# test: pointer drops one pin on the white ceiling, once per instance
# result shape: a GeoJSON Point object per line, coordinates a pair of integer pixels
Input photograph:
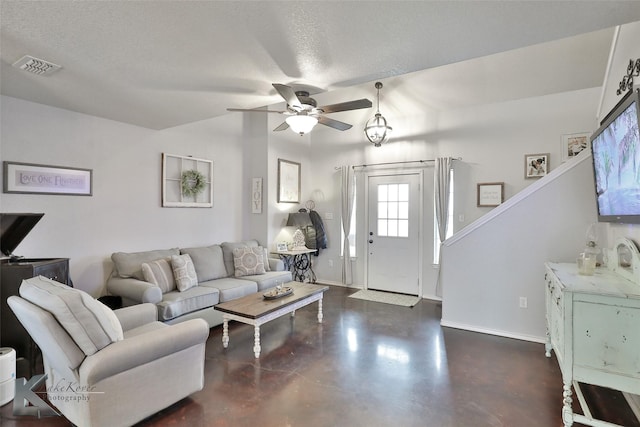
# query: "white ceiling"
{"type": "Point", "coordinates": [160, 64]}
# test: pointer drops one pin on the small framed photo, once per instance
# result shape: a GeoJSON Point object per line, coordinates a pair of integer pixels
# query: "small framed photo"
{"type": "Point", "coordinates": [573, 144]}
{"type": "Point", "coordinates": [490, 194]}
{"type": "Point", "coordinates": [281, 247]}
{"type": "Point", "coordinates": [536, 165]}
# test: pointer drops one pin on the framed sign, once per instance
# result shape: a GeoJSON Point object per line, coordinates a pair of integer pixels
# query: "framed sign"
{"type": "Point", "coordinates": [490, 194]}
{"type": "Point", "coordinates": [288, 181]}
{"type": "Point", "coordinates": [29, 178]}
{"type": "Point", "coordinates": [536, 165]}
{"type": "Point", "coordinates": [256, 195]}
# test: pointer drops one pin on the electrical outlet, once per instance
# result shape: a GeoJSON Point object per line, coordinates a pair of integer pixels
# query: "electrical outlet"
{"type": "Point", "coordinates": [330, 263]}
{"type": "Point", "coordinates": [328, 215]}
{"type": "Point", "coordinates": [523, 302]}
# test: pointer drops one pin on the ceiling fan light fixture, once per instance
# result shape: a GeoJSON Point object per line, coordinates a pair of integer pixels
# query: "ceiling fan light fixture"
{"type": "Point", "coordinates": [301, 124]}
{"type": "Point", "coordinates": [377, 129]}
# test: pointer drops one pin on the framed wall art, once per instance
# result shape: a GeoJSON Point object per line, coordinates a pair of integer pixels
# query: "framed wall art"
{"type": "Point", "coordinates": [573, 144]}
{"type": "Point", "coordinates": [536, 165]}
{"type": "Point", "coordinates": [30, 178]}
{"type": "Point", "coordinates": [187, 182]}
{"type": "Point", "coordinates": [288, 181]}
{"type": "Point", "coordinates": [490, 194]}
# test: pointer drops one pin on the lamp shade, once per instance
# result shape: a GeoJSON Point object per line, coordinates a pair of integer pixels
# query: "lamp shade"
{"type": "Point", "coordinates": [301, 123]}
{"type": "Point", "coordinates": [299, 219]}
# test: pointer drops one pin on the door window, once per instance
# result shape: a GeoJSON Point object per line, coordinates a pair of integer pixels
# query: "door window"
{"type": "Point", "coordinates": [393, 210]}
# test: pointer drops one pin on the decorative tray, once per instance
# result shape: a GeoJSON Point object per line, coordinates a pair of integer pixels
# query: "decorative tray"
{"type": "Point", "coordinates": [278, 293]}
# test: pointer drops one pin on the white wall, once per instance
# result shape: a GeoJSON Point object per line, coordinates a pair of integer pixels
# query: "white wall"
{"type": "Point", "coordinates": [490, 265]}
{"type": "Point", "coordinates": [491, 139]}
{"type": "Point", "coordinates": [124, 213]}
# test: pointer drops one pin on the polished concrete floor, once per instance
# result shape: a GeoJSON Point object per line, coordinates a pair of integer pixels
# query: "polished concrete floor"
{"type": "Point", "coordinates": [371, 364]}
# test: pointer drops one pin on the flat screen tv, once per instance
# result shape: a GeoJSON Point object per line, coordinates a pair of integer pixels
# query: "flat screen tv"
{"type": "Point", "coordinates": [615, 147]}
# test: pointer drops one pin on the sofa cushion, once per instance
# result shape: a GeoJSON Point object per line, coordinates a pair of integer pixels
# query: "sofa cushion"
{"type": "Point", "coordinates": [129, 264]}
{"type": "Point", "coordinates": [248, 261]}
{"type": "Point", "coordinates": [160, 273]}
{"type": "Point", "coordinates": [208, 262]}
{"type": "Point", "coordinates": [91, 324]}
{"type": "Point", "coordinates": [231, 288]}
{"type": "Point", "coordinates": [177, 303]}
{"type": "Point", "coordinates": [270, 279]}
{"type": "Point", "coordinates": [227, 253]}
{"type": "Point", "coordinates": [184, 272]}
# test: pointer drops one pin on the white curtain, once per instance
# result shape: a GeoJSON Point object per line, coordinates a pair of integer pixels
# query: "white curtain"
{"type": "Point", "coordinates": [442, 180]}
{"type": "Point", "coordinates": [348, 189]}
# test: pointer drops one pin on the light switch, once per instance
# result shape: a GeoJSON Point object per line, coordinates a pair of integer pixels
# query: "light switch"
{"type": "Point", "coordinates": [328, 215]}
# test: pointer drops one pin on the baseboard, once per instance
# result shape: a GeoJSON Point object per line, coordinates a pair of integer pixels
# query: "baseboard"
{"type": "Point", "coordinates": [505, 334]}
{"type": "Point", "coordinates": [332, 283]}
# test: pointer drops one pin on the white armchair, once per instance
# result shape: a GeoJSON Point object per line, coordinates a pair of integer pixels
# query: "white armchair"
{"type": "Point", "coordinates": [123, 364]}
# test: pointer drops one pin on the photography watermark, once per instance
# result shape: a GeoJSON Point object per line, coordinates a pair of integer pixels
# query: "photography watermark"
{"type": "Point", "coordinates": [27, 401]}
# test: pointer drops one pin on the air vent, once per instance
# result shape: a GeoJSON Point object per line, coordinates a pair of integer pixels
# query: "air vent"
{"type": "Point", "coordinates": [36, 66]}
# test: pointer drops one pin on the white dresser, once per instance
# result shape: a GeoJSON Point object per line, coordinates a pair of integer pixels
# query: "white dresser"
{"type": "Point", "coordinates": [593, 325]}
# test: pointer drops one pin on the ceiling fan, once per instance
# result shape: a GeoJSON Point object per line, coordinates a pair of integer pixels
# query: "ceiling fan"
{"type": "Point", "coordinates": [303, 113]}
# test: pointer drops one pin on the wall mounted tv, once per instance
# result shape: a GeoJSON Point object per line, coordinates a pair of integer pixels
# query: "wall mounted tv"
{"type": "Point", "coordinates": [615, 147]}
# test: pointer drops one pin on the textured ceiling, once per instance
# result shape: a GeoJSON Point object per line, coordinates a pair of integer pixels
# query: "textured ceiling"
{"type": "Point", "coordinates": [160, 64]}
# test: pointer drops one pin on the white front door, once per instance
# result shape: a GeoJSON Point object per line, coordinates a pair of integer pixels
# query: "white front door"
{"type": "Point", "coordinates": [393, 237]}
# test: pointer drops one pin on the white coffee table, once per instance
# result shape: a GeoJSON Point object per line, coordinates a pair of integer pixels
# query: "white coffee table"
{"type": "Point", "coordinates": [255, 310]}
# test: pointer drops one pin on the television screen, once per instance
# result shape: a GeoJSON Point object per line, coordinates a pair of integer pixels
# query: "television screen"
{"type": "Point", "coordinates": [616, 163]}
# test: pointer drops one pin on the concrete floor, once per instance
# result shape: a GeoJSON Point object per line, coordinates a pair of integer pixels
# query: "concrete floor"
{"type": "Point", "coordinates": [371, 364]}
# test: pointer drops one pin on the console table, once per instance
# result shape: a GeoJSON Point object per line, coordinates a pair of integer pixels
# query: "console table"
{"type": "Point", "coordinates": [593, 326]}
{"type": "Point", "coordinates": [299, 262]}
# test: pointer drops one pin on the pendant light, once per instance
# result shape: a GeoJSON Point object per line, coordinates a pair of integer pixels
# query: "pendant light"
{"type": "Point", "coordinates": [377, 129]}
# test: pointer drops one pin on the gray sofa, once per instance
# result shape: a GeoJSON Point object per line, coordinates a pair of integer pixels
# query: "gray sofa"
{"type": "Point", "coordinates": [218, 280]}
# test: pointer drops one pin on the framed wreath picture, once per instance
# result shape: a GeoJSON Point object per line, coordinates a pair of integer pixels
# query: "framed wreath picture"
{"type": "Point", "coordinates": [187, 182]}
{"type": "Point", "coordinates": [536, 165]}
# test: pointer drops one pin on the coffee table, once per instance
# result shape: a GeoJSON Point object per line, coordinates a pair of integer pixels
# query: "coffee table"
{"type": "Point", "coordinates": [255, 310]}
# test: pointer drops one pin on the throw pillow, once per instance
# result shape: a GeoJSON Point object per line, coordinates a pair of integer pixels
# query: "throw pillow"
{"type": "Point", "coordinates": [184, 272]}
{"type": "Point", "coordinates": [91, 324]}
{"type": "Point", "coordinates": [160, 273]}
{"type": "Point", "coordinates": [248, 261]}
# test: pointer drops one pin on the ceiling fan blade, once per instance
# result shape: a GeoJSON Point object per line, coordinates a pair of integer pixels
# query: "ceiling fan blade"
{"type": "Point", "coordinates": [289, 95]}
{"type": "Point", "coordinates": [247, 110]}
{"type": "Point", "coordinates": [336, 124]}
{"type": "Point", "coordinates": [346, 106]}
{"type": "Point", "coordinates": [283, 126]}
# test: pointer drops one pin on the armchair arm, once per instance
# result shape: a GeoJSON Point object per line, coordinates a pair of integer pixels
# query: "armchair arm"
{"type": "Point", "coordinates": [276, 264]}
{"type": "Point", "coordinates": [136, 315]}
{"type": "Point", "coordinates": [130, 353]}
{"type": "Point", "coordinates": [134, 289]}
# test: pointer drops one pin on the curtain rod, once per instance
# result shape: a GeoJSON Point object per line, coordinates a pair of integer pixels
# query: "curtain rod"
{"type": "Point", "coordinates": [397, 163]}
